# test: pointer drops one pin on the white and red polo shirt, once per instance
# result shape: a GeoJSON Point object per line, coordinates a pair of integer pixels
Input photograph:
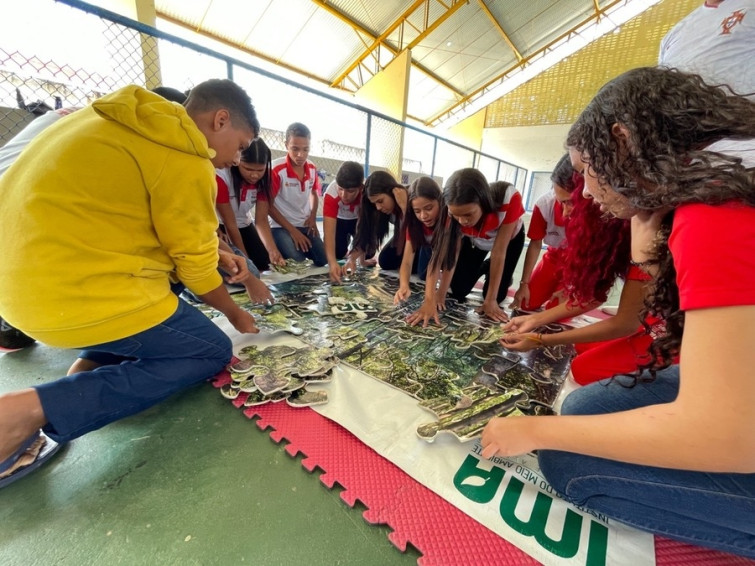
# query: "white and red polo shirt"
{"type": "Point", "coordinates": [334, 207]}
{"type": "Point", "coordinates": [427, 234]}
{"type": "Point", "coordinates": [510, 212]}
{"type": "Point", "coordinates": [242, 208]}
{"type": "Point", "coordinates": [548, 223]}
{"type": "Point", "coordinates": [291, 194]}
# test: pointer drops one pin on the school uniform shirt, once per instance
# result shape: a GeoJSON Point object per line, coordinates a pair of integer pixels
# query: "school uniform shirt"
{"type": "Point", "coordinates": [510, 212]}
{"type": "Point", "coordinates": [106, 223]}
{"type": "Point", "coordinates": [715, 42]}
{"type": "Point", "coordinates": [427, 235]}
{"type": "Point", "coordinates": [548, 223]}
{"type": "Point", "coordinates": [713, 248]}
{"type": "Point", "coordinates": [334, 207]}
{"type": "Point", "coordinates": [290, 194]}
{"type": "Point", "coordinates": [244, 205]}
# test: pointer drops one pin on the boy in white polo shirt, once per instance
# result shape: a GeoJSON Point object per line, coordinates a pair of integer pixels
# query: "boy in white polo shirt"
{"type": "Point", "coordinates": [293, 209]}
{"type": "Point", "coordinates": [340, 211]}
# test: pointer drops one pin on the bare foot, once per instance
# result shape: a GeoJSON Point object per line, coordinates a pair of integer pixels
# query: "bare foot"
{"type": "Point", "coordinates": [20, 415]}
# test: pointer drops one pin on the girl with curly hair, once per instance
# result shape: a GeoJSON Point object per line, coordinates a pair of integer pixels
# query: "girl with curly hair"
{"type": "Point", "coordinates": [675, 453]}
{"type": "Point", "coordinates": [383, 204]}
{"type": "Point", "coordinates": [420, 221]}
{"type": "Point", "coordinates": [479, 219]}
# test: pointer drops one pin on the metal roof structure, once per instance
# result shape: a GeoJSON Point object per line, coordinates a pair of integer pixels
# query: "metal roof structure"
{"type": "Point", "coordinates": [459, 48]}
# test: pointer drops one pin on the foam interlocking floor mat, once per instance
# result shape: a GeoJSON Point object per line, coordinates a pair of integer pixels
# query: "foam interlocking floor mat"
{"type": "Point", "coordinates": [441, 532]}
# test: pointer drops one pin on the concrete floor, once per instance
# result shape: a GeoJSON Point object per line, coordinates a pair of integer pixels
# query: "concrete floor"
{"type": "Point", "coordinates": [191, 481]}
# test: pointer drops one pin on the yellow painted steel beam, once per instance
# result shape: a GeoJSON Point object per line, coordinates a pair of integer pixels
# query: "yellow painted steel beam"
{"type": "Point", "coordinates": [378, 40]}
{"type": "Point", "coordinates": [497, 26]}
{"type": "Point", "coordinates": [362, 31]}
{"type": "Point", "coordinates": [454, 5]}
{"type": "Point", "coordinates": [522, 63]}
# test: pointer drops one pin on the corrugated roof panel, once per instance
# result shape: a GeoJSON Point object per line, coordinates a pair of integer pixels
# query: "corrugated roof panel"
{"type": "Point", "coordinates": [531, 25]}
{"type": "Point", "coordinates": [374, 15]}
{"type": "Point", "coordinates": [466, 19]}
{"type": "Point", "coordinates": [426, 15]}
{"type": "Point", "coordinates": [235, 21]}
{"type": "Point", "coordinates": [301, 34]}
{"type": "Point", "coordinates": [472, 72]}
{"type": "Point", "coordinates": [476, 51]}
{"type": "Point", "coordinates": [279, 25]}
{"type": "Point", "coordinates": [188, 11]}
{"type": "Point", "coordinates": [428, 97]}
{"type": "Point", "coordinates": [324, 46]}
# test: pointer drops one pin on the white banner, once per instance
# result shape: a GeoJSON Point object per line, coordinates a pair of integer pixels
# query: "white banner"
{"type": "Point", "coordinates": [509, 496]}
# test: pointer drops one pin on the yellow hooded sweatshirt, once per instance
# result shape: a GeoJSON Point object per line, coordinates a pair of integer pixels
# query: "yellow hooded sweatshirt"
{"type": "Point", "coordinates": [98, 212]}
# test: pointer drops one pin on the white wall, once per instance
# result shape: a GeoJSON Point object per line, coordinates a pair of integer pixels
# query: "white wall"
{"type": "Point", "coordinates": [537, 148]}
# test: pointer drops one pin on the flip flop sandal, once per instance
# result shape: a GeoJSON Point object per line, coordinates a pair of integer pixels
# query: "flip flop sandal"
{"type": "Point", "coordinates": [46, 450]}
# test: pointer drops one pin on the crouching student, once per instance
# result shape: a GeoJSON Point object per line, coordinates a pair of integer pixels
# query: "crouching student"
{"type": "Point", "coordinates": [420, 222]}
{"type": "Point", "coordinates": [292, 206]}
{"type": "Point", "coordinates": [541, 280]}
{"type": "Point", "coordinates": [481, 220]}
{"type": "Point", "coordinates": [340, 211]}
{"type": "Point", "coordinates": [383, 206]}
{"type": "Point", "coordinates": [595, 255]}
{"type": "Point", "coordinates": [238, 187]}
{"type": "Point", "coordinates": [106, 285]}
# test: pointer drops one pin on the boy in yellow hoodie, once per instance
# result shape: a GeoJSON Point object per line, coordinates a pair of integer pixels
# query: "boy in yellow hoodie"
{"type": "Point", "coordinates": [98, 214]}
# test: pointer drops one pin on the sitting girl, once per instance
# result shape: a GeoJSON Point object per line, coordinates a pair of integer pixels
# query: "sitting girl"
{"type": "Point", "coordinates": [670, 452]}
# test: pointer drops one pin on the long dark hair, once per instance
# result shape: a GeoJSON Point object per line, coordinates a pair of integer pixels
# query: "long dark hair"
{"type": "Point", "coordinates": [566, 177]}
{"type": "Point", "coordinates": [373, 225]}
{"type": "Point", "coordinates": [670, 117]}
{"type": "Point", "coordinates": [465, 186]}
{"type": "Point", "coordinates": [257, 153]}
{"type": "Point", "coordinates": [424, 187]}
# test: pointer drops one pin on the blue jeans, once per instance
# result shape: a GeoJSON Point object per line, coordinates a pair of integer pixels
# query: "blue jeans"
{"type": "Point", "coordinates": [285, 244]}
{"type": "Point", "coordinates": [184, 350]}
{"type": "Point", "coordinates": [715, 510]}
{"type": "Point", "coordinates": [424, 256]}
{"type": "Point", "coordinates": [249, 263]}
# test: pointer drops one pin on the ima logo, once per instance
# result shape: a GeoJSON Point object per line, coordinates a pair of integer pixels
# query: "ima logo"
{"type": "Point", "coordinates": [728, 24]}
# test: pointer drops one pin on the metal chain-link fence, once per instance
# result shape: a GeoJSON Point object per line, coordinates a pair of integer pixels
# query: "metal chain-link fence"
{"type": "Point", "coordinates": [34, 80]}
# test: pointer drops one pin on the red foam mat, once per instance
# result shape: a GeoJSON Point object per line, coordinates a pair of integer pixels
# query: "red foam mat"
{"type": "Point", "coordinates": [441, 532]}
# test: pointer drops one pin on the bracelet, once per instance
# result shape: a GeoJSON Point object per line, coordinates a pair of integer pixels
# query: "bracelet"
{"type": "Point", "coordinates": [538, 339]}
{"type": "Point", "coordinates": [524, 283]}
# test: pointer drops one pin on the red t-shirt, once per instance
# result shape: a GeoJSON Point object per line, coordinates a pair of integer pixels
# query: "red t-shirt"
{"type": "Point", "coordinates": [714, 254]}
